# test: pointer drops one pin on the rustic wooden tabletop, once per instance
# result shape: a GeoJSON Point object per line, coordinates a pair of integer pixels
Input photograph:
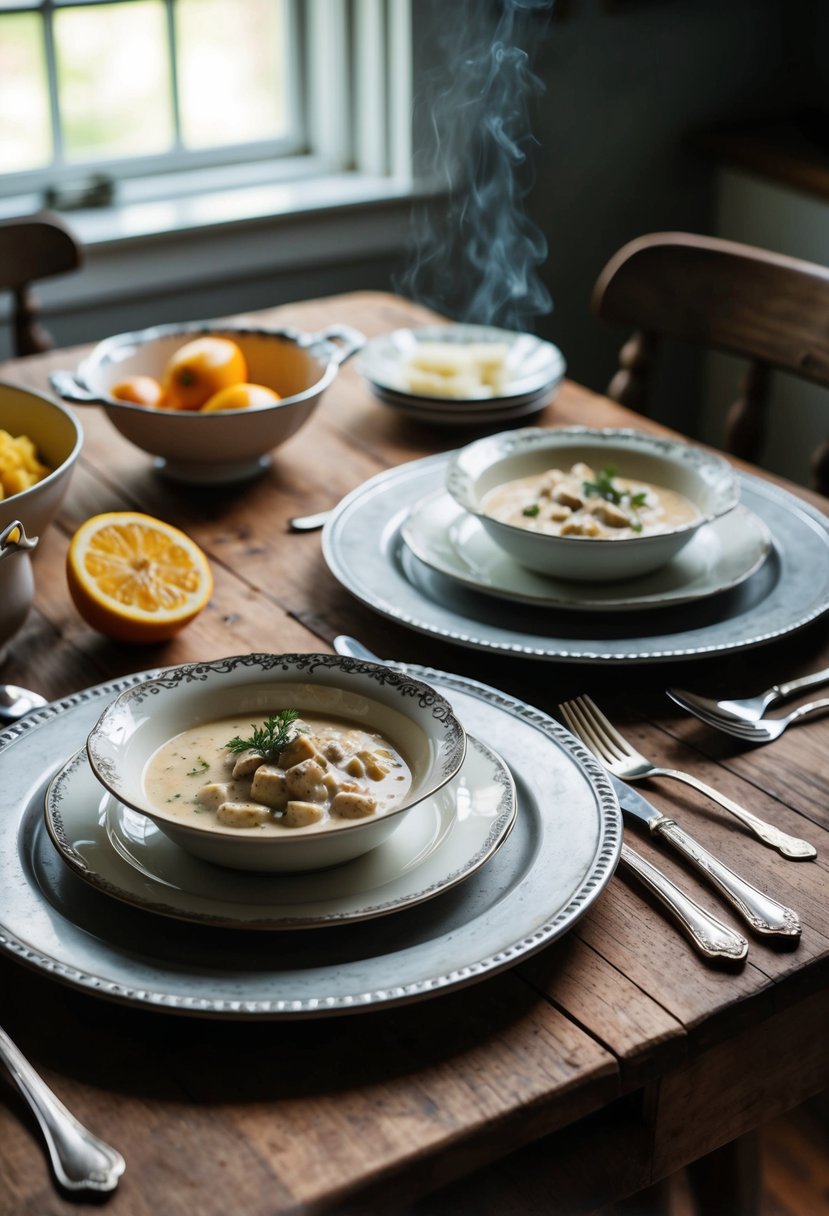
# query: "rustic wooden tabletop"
{"type": "Point", "coordinates": [588, 1072]}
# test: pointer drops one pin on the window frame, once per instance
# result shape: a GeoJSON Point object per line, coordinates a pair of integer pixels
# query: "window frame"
{"type": "Point", "coordinates": [349, 93]}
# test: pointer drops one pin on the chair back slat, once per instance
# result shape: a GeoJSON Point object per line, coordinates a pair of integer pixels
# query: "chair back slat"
{"type": "Point", "coordinates": [31, 248]}
{"type": "Point", "coordinates": [770, 309]}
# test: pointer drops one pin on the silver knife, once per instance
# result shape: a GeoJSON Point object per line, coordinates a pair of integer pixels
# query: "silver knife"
{"type": "Point", "coordinates": [763, 914]}
{"type": "Point", "coordinates": [711, 937]}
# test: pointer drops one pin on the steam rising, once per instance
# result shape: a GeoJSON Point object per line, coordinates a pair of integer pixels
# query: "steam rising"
{"type": "Point", "coordinates": [476, 256]}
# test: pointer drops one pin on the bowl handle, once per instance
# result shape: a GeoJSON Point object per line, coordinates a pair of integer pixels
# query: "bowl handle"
{"type": "Point", "coordinates": [67, 386]}
{"type": "Point", "coordinates": [352, 341]}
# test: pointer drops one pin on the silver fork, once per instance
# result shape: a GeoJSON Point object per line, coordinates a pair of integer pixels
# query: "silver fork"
{"type": "Point", "coordinates": [766, 730]}
{"type": "Point", "coordinates": [616, 753]}
{"type": "Point", "coordinates": [745, 709]}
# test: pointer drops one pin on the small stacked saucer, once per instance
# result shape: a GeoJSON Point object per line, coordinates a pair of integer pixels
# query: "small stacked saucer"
{"type": "Point", "coordinates": [462, 375]}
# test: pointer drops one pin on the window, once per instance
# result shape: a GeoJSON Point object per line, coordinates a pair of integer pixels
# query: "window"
{"type": "Point", "coordinates": [101, 92]}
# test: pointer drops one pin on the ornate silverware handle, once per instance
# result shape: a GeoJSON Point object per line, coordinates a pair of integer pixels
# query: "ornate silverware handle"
{"type": "Point", "coordinates": [789, 846]}
{"type": "Point", "coordinates": [80, 1160]}
{"type": "Point", "coordinates": [794, 686]}
{"type": "Point", "coordinates": [711, 937]}
{"type": "Point", "coordinates": [764, 914]}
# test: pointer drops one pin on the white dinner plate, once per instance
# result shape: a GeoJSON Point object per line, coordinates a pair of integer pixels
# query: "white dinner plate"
{"type": "Point", "coordinates": [124, 855]}
{"type": "Point", "coordinates": [442, 412]}
{"type": "Point", "coordinates": [556, 861]}
{"type": "Point", "coordinates": [535, 371]}
{"type": "Point", "coordinates": [720, 556]}
{"type": "Point", "coordinates": [364, 549]}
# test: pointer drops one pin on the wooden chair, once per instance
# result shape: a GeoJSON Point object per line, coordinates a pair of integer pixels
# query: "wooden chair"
{"type": "Point", "coordinates": [770, 309]}
{"type": "Point", "coordinates": [33, 247]}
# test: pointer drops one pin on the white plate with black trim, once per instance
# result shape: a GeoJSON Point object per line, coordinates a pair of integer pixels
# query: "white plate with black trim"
{"type": "Point", "coordinates": [124, 855]}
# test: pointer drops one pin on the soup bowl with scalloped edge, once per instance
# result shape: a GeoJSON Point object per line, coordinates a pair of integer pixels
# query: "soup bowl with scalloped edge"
{"type": "Point", "coordinates": [707, 480]}
{"type": "Point", "coordinates": [418, 722]}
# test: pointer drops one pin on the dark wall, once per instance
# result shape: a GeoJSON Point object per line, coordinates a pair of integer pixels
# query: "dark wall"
{"type": "Point", "coordinates": [624, 81]}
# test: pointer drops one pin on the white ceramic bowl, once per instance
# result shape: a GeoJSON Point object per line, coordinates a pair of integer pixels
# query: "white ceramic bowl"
{"type": "Point", "coordinates": [226, 445]}
{"type": "Point", "coordinates": [415, 718]}
{"type": "Point", "coordinates": [707, 480]}
{"type": "Point", "coordinates": [58, 437]}
{"type": "Point", "coordinates": [533, 367]}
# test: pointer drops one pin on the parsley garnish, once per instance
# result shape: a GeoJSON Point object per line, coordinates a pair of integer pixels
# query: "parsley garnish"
{"type": "Point", "coordinates": [531, 510]}
{"type": "Point", "coordinates": [603, 487]}
{"type": "Point", "coordinates": [268, 740]}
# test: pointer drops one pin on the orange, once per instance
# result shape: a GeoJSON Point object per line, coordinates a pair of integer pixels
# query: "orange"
{"type": "Point", "coordinates": [135, 578]}
{"type": "Point", "coordinates": [239, 397]}
{"type": "Point", "coordinates": [200, 369]}
{"type": "Point", "coordinates": [140, 390]}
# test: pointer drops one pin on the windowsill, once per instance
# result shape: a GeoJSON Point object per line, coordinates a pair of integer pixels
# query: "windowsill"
{"type": "Point", "coordinates": [264, 203]}
{"type": "Point", "coordinates": [177, 211]}
{"type": "Point", "coordinates": [223, 235]}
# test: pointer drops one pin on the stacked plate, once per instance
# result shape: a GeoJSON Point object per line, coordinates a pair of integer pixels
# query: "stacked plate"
{"type": "Point", "coordinates": [403, 546]}
{"type": "Point", "coordinates": [462, 375]}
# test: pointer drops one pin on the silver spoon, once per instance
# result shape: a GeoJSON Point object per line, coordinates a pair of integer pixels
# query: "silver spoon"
{"type": "Point", "coordinates": [80, 1160]}
{"type": "Point", "coordinates": [16, 701]}
{"type": "Point", "coordinates": [308, 523]}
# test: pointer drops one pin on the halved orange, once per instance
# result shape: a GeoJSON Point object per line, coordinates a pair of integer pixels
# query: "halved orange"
{"type": "Point", "coordinates": [135, 578]}
{"type": "Point", "coordinates": [201, 368]}
{"type": "Point", "coordinates": [240, 397]}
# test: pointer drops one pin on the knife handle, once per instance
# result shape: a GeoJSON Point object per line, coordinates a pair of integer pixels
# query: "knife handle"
{"type": "Point", "coordinates": [711, 937]}
{"type": "Point", "coordinates": [764, 914]}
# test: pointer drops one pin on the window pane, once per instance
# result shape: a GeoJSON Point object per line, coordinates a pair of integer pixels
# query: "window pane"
{"type": "Point", "coordinates": [25, 125]}
{"type": "Point", "coordinates": [114, 80]}
{"type": "Point", "coordinates": [232, 71]}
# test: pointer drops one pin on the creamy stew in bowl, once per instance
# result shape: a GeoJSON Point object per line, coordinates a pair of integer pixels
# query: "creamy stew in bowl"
{"type": "Point", "coordinates": [583, 503]}
{"type": "Point", "coordinates": [289, 773]}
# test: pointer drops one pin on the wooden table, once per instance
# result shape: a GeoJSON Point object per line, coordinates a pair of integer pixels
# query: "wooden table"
{"type": "Point", "coordinates": [594, 1069]}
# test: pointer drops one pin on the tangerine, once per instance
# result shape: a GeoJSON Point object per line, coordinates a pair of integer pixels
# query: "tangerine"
{"type": "Point", "coordinates": [201, 368]}
{"type": "Point", "coordinates": [139, 390]}
{"type": "Point", "coordinates": [239, 397]}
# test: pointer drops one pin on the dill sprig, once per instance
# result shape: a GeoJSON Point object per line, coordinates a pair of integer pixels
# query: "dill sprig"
{"type": "Point", "coordinates": [268, 740]}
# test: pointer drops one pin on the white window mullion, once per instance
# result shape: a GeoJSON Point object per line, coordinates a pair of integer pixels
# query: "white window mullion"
{"type": "Point", "coordinates": [371, 147]}
{"type": "Point", "coordinates": [172, 55]}
{"type": "Point", "coordinates": [399, 87]}
{"type": "Point", "coordinates": [328, 100]}
{"type": "Point", "coordinates": [52, 73]}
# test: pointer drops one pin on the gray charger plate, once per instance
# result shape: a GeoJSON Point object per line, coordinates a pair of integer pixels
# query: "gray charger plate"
{"type": "Point", "coordinates": [559, 857]}
{"type": "Point", "coordinates": [363, 545]}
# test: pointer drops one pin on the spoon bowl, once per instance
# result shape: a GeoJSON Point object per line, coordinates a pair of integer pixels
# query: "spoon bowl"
{"type": "Point", "coordinates": [16, 701]}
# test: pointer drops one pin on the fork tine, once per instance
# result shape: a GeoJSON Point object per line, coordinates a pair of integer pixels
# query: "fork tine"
{"type": "Point", "coordinates": [611, 743]}
{"type": "Point", "coordinates": [573, 717]}
{"type": "Point", "coordinates": [580, 722]}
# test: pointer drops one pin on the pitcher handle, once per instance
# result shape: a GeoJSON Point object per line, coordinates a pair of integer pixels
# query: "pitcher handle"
{"type": "Point", "coordinates": [19, 544]}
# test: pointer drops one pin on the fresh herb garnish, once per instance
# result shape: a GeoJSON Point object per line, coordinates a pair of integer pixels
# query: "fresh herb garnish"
{"type": "Point", "coordinates": [268, 740]}
{"type": "Point", "coordinates": [531, 510]}
{"type": "Point", "coordinates": [603, 487]}
{"type": "Point", "coordinates": [201, 766]}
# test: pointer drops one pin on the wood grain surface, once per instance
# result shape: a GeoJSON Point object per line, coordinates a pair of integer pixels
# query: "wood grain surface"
{"type": "Point", "coordinates": [591, 1070]}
